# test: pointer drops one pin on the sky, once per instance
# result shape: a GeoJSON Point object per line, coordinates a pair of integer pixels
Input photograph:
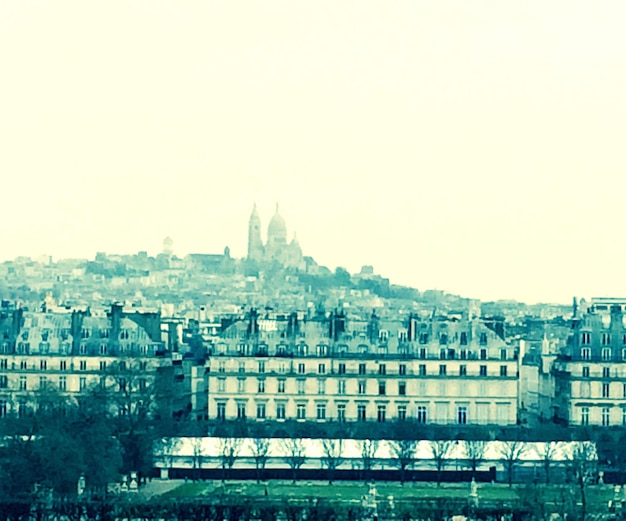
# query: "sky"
{"type": "Point", "coordinates": [472, 147]}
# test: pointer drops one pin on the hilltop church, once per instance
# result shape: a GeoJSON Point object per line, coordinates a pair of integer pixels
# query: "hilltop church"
{"type": "Point", "coordinates": [276, 249]}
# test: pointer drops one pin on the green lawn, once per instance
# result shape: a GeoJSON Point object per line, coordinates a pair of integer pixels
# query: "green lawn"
{"type": "Point", "coordinates": [555, 495]}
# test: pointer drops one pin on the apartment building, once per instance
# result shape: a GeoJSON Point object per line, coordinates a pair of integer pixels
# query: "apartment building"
{"type": "Point", "coordinates": [593, 374]}
{"type": "Point", "coordinates": [437, 370]}
{"type": "Point", "coordinates": [72, 351]}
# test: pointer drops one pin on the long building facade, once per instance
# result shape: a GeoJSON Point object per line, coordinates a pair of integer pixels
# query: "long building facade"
{"type": "Point", "coordinates": [71, 352]}
{"type": "Point", "coordinates": [431, 370]}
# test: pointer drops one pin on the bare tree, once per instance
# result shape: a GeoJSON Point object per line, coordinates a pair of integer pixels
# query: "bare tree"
{"type": "Point", "coordinates": [166, 449]}
{"type": "Point", "coordinates": [403, 452]}
{"type": "Point", "coordinates": [295, 454]}
{"type": "Point", "coordinates": [475, 453]}
{"type": "Point", "coordinates": [197, 457]}
{"type": "Point", "coordinates": [260, 451]}
{"type": "Point", "coordinates": [511, 452]}
{"type": "Point", "coordinates": [547, 452]}
{"type": "Point", "coordinates": [229, 450]}
{"type": "Point", "coordinates": [440, 450]}
{"type": "Point", "coordinates": [368, 454]}
{"type": "Point", "coordinates": [584, 463]}
{"type": "Point", "coordinates": [332, 458]}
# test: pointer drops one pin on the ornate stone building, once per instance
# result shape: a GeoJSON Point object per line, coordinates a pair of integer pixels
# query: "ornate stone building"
{"type": "Point", "coordinates": [276, 249]}
{"type": "Point", "coordinates": [431, 370]}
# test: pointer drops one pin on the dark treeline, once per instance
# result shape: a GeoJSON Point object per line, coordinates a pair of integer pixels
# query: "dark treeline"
{"type": "Point", "coordinates": [253, 508]}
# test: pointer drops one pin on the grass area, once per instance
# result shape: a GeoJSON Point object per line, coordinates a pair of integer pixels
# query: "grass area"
{"type": "Point", "coordinates": [597, 496]}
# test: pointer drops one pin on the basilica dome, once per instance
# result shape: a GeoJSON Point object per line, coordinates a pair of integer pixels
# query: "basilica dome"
{"type": "Point", "coordinates": [277, 229]}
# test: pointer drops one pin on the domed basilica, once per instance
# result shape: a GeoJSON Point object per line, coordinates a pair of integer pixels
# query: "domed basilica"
{"type": "Point", "coordinates": [276, 249]}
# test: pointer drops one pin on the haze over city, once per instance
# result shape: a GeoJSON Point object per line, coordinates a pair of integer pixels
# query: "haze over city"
{"type": "Point", "coordinates": [470, 147]}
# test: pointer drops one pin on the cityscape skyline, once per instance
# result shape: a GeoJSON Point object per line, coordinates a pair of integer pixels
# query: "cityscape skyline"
{"type": "Point", "coordinates": [469, 148]}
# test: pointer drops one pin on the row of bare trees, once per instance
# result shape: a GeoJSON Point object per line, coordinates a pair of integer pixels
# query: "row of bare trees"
{"type": "Point", "coordinates": [403, 452]}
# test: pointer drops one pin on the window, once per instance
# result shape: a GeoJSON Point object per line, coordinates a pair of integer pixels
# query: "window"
{"type": "Point", "coordinates": [103, 365]}
{"type": "Point", "coordinates": [624, 417]}
{"type": "Point", "coordinates": [261, 385]}
{"type": "Point", "coordinates": [503, 370]}
{"type": "Point", "coordinates": [381, 414]}
{"type": "Point", "coordinates": [82, 383]}
{"type": "Point", "coordinates": [261, 366]}
{"type": "Point", "coordinates": [361, 386]}
{"type": "Point", "coordinates": [402, 369]}
{"type": "Point", "coordinates": [241, 411]}
{"type": "Point", "coordinates": [462, 414]}
{"type": "Point", "coordinates": [341, 369]}
{"type": "Point", "coordinates": [463, 354]}
{"type": "Point", "coordinates": [502, 354]}
{"type": "Point", "coordinates": [301, 369]}
{"type": "Point", "coordinates": [3, 363]}
{"type": "Point", "coordinates": [4, 381]}
{"type": "Point", "coordinates": [463, 339]}
{"type": "Point", "coordinates": [584, 416]}
{"type": "Point", "coordinates": [242, 367]}
{"type": "Point", "coordinates": [382, 388]}
{"type": "Point", "coordinates": [382, 369]}
{"type": "Point", "coordinates": [606, 416]}
{"type": "Point", "coordinates": [260, 411]}
{"type": "Point", "coordinates": [23, 365]}
{"type": "Point", "coordinates": [606, 372]}
{"type": "Point", "coordinates": [482, 370]}
{"type": "Point", "coordinates": [605, 390]}
{"type": "Point", "coordinates": [361, 413]}
{"type": "Point", "coordinates": [321, 368]}
{"type": "Point", "coordinates": [300, 384]}
{"type": "Point", "coordinates": [624, 352]}
{"type": "Point", "coordinates": [422, 415]}
{"type": "Point", "coordinates": [341, 387]}
{"type": "Point", "coordinates": [443, 339]}
{"type": "Point", "coordinates": [442, 370]}
{"type": "Point", "coordinates": [241, 385]}
{"type": "Point", "coordinates": [423, 338]}
{"type": "Point", "coordinates": [422, 353]}
{"type": "Point", "coordinates": [606, 353]}
{"type": "Point", "coordinates": [585, 353]}
{"type": "Point", "coordinates": [483, 354]}
{"type": "Point", "coordinates": [143, 384]}
{"type": "Point", "coordinates": [221, 385]}
{"type": "Point", "coordinates": [422, 370]}
{"type": "Point", "coordinates": [122, 384]}
{"type": "Point", "coordinates": [4, 408]}
{"type": "Point", "coordinates": [43, 365]}
{"type": "Point", "coordinates": [483, 339]}
{"type": "Point", "coordinates": [442, 353]}
{"type": "Point", "coordinates": [23, 384]}
{"type": "Point", "coordinates": [321, 411]}
{"type": "Point", "coordinates": [402, 388]}
{"type": "Point", "coordinates": [103, 349]}
{"type": "Point", "coordinates": [280, 411]}
{"type": "Point", "coordinates": [43, 382]}
{"type": "Point", "coordinates": [62, 383]}
{"type": "Point", "coordinates": [585, 338]}
{"type": "Point", "coordinates": [321, 386]}
{"type": "Point", "coordinates": [341, 412]}
{"type": "Point", "coordinates": [221, 366]}
{"type": "Point", "coordinates": [401, 412]}
{"type": "Point", "coordinates": [361, 368]}
{"type": "Point", "coordinates": [282, 367]}
{"type": "Point", "coordinates": [122, 366]}
{"type": "Point", "coordinates": [462, 370]}
{"type": "Point", "coordinates": [301, 411]}
{"type": "Point", "coordinates": [586, 371]}
{"type": "Point", "coordinates": [606, 339]}
{"type": "Point", "coordinates": [281, 385]}
{"type": "Point", "coordinates": [83, 365]}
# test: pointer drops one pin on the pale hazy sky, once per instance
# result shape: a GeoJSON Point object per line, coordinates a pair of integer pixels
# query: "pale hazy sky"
{"type": "Point", "coordinates": [476, 147]}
